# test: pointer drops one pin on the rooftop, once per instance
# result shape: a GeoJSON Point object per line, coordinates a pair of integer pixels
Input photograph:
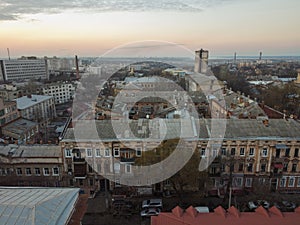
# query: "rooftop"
{"type": "Point", "coordinates": [232, 216]}
{"type": "Point", "coordinates": [28, 151]}
{"type": "Point", "coordinates": [36, 205]}
{"type": "Point", "coordinates": [28, 101]}
{"type": "Point", "coordinates": [19, 126]}
{"type": "Point", "coordinates": [276, 129]}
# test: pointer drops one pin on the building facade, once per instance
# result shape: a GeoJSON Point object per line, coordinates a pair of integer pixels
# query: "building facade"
{"type": "Point", "coordinates": [35, 165]}
{"type": "Point", "coordinates": [38, 108]}
{"type": "Point", "coordinates": [23, 69]}
{"type": "Point", "coordinates": [20, 131]}
{"type": "Point", "coordinates": [252, 154]}
{"type": "Point", "coordinates": [8, 112]}
{"type": "Point", "coordinates": [62, 92]}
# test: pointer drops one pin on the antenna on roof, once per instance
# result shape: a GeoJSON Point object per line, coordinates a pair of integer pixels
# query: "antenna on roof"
{"type": "Point", "coordinates": [8, 53]}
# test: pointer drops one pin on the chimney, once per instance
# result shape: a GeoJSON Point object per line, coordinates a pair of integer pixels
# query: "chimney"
{"type": "Point", "coordinates": [77, 67]}
{"type": "Point", "coordinates": [201, 61]}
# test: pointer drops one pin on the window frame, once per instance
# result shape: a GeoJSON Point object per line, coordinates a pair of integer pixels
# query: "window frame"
{"type": "Point", "coordinates": [89, 152]}
{"type": "Point", "coordinates": [44, 171]}
{"type": "Point", "coordinates": [53, 171]}
{"type": "Point", "coordinates": [253, 153]}
{"type": "Point", "coordinates": [264, 152]}
{"type": "Point", "coordinates": [242, 148]}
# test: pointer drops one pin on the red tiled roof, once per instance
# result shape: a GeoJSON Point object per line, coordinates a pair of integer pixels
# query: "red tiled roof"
{"type": "Point", "coordinates": [230, 217]}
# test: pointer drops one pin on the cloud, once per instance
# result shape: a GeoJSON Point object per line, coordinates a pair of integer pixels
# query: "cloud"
{"type": "Point", "coordinates": [16, 9]}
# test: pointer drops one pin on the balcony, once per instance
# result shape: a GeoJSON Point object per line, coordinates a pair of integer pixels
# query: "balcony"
{"type": "Point", "coordinates": [78, 160]}
{"type": "Point", "coordinates": [276, 175]}
{"type": "Point", "coordinates": [127, 160]}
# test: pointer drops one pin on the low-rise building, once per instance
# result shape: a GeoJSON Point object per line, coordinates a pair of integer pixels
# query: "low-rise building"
{"type": "Point", "coordinates": [20, 131]}
{"type": "Point", "coordinates": [28, 205]}
{"type": "Point", "coordinates": [249, 155]}
{"type": "Point", "coordinates": [232, 216]}
{"type": "Point", "coordinates": [39, 108]}
{"type": "Point", "coordinates": [31, 165]}
{"type": "Point", "coordinates": [9, 92]}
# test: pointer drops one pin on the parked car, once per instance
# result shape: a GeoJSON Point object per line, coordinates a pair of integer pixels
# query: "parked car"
{"type": "Point", "coordinates": [152, 203]}
{"type": "Point", "coordinates": [150, 212]}
{"type": "Point", "coordinates": [289, 205]}
{"type": "Point", "coordinates": [255, 204]}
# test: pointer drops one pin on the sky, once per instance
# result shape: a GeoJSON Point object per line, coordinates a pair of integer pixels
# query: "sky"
{"type": "Point", "coordinates": [93, 27]}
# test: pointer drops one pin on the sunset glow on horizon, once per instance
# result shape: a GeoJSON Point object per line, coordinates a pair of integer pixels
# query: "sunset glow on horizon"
{"type": "Point", "coordinates": [245, 27]}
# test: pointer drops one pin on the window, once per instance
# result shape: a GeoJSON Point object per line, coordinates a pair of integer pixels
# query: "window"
{"type": "Point", "coordinates": [223, 151]}
{"type": "Point", "coordinates": [238, 181]}
{"type": "Point", "coordinates": [248, 182]}
{"type": "Point", "coordinates": [139, 152]}
{"type": "Point", "coordinates": [116, 152]}
{"type": "Point", "coordinates": [261, 181]}
{"type": "Point", "coordinates": [19, 171]}
{"type": "Point", "coordinates": [46, 172]}
{"type": "Point", "coordinates": [117, 183]}
{"type": "Point", "coordinates": [90, 169]}
{"type": "Point", "coordinates": [37, 171]}
{"type": "Point", "coordinates": [68, 153]}
{"type": "Point", "coordinates": [128, 168]}
{"type": "Point", "coordinates": [106, 152]}
{"type": "Point", "coordinates": [294, 168]}
{"type": "Point", "coordinates": [241, 167]}
{"type": "Point", "coordinates": [80, 182]}
{"type": "Point", "coordinates": [117, 167]}
{"type": "Point", "coordinates": [278, 153]}
{"type": "Point", "coordinates": [91, 181]}
{"type": "Point", "coordinates": [285, 167]}
{"type": "Point", "coordinates": [215, 153]}
{"type": "Point", "coordinates": [99, 168]}
{"type": "Point", "coordinates": [264, 152]}
{"type": "Point", "coordinates": [251, 151]}
{"type": "Point", "coordinates": [263, 167]}
{"type": "Point", "coordinates": [232, 151]}
{"type": "Point", "coordinates": [287, 152]}
{"type": "Point", "coordinates": [55, 171]}
{"type": "Point", "coordinates": [222, 167]}
{"type": "Point", "coordinates": [89, 152]}
{"type": "Point", "coordinates": [250, 167]}
{"type": "Point", "coordinates": [97, 152]}
{"type": "Point", "coordinates": [242, 151]}
{"type": "Point", "coordinates": [203, 152]}
{"type": "Point", "coordinates": [282, 182]}
{"type": "Point", "coordinates": [298, 182]}
{"type": "Point", "coordinates": [28, 171]}
{"type": "Point", "coordinates": [296, 153]}
{"type": "Point", "coordinates": [291, 182]}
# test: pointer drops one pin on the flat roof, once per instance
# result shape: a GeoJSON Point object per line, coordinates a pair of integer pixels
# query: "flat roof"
{"type": "Point", "coordinates": [19, 126]}
{"type": "Point", "coordinates": [245, 129]}
{"type": "Point", "coordinates": [53, 151]}
{"type": "Point", "coordinates": [26, 102]}
{"type": "Point", "coordinates": [29, 206]}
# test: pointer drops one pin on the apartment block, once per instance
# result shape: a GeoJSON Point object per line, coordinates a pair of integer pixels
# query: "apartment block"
{"type": "Point", "coordinates": [23, 69]}
{"type": "Point", "coordinates": [252, 153]}
{"type": "Point", "coordinates": [62, 92]}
